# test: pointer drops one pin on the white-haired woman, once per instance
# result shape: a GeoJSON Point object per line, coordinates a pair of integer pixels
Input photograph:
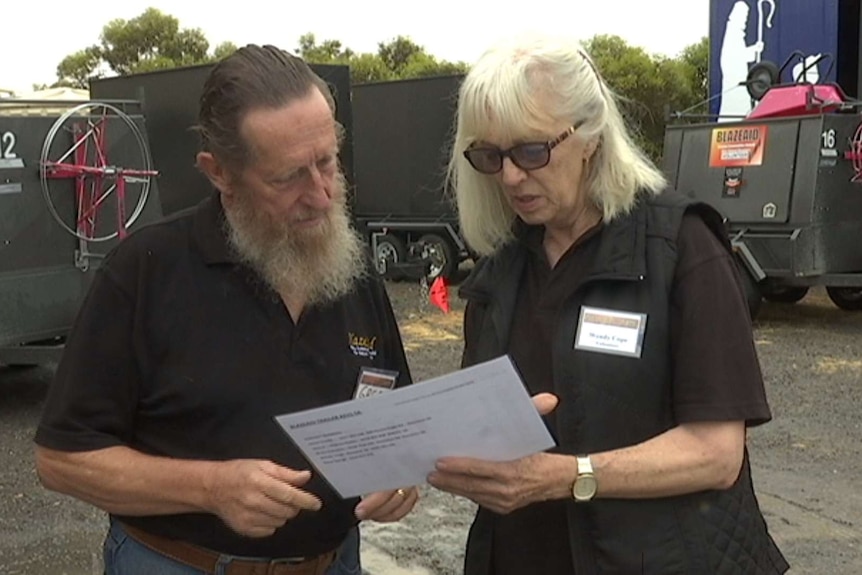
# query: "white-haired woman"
{"type": "Point", "coordinates": [619, 303]}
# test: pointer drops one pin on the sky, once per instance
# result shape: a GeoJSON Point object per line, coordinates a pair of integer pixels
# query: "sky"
{"type": "Point", "coordinates": [36, 35]}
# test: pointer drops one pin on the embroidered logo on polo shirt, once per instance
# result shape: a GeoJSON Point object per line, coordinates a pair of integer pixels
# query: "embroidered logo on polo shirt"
{"type": "Point", "coordinates": [363, 345]}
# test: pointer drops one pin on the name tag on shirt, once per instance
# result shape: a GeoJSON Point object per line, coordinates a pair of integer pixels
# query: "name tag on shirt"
{"type": "Point", "coordinates": [610, 331]}
{"type": "Point", "coordinates": [372, 381]}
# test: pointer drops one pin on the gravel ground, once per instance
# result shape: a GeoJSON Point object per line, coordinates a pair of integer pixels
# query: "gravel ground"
{"type": "Point", "coordinates": [806, 461]}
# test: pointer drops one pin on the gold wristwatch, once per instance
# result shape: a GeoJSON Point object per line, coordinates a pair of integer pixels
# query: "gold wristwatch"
{"type": "Point", "coordinates": [585, 485]}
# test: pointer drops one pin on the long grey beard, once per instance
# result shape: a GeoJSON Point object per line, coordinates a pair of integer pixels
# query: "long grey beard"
{"type": "Point", "coordinates": [315, 266]}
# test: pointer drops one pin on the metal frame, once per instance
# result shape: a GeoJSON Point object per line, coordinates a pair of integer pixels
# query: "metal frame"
{"type": "Point", "coordinates": [90, 177]}
{"type": "Point", "coordinates": [381, 228]}
{"type": "Point", "coordinates": [410, 226]}
{"type": "Point", "coordinates": [31, 354]}
{"type": "Point", "coordinates": [54, 291]}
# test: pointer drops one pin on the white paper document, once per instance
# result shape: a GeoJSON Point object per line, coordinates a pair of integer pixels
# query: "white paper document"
{"type": "Point", "coordinates": [392, 439]}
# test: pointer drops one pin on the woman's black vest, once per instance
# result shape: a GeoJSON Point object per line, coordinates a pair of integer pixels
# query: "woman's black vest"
{"type": "Point", "coordinates": [609, 401]}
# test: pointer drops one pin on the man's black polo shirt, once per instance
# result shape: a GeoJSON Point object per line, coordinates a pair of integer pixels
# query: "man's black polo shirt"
{"type": "Point", "coordinates": [179, 351]}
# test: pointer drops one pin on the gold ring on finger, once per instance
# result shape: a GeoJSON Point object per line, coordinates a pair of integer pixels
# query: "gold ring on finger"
{"type": "Point", "coordinates": [401, 492]}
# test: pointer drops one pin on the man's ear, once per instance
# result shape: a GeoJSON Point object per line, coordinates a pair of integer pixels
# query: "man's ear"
{"type": "Point", "coordinates": [215, 171]}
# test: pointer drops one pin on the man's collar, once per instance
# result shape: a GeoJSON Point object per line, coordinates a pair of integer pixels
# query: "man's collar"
{"type": "Point", "coordinates": [210, 232]}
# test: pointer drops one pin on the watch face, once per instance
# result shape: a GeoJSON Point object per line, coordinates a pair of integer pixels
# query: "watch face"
{"type": "Point", "coordinates": [585, 487]}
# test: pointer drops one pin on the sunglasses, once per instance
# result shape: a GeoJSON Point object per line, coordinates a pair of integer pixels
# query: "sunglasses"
{"type": "Point", "coordinates": [527, 156]}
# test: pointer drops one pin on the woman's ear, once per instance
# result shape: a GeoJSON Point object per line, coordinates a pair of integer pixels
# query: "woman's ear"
{"type": "Point", "coordinates": [590, 148]}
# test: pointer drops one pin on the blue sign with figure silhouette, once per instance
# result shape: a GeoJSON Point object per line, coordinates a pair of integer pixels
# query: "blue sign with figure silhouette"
{"type": "Point", "coordinates": [802, 33]}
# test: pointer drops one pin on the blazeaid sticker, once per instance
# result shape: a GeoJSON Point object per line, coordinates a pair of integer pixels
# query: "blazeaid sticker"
{"type": "Point", "coordinates": [737, 146]}
{"type": "Point", "coordinates": [610, 331]}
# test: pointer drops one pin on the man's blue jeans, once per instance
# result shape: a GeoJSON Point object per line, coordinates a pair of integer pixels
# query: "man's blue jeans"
{"type": "Point", "coordinates": [125, 556]}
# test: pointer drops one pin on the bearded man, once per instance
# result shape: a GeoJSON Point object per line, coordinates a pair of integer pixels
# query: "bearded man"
{"type": "Point", "coordinates": [199, 330]}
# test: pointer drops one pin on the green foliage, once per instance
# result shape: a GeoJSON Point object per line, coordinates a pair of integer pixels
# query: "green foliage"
{"type": "Point", "coordinates": [329, 52]}
{"type": "Point", "coordinates": [151, 41]}
{"type": "Point", "coordinates": [224, 50]}
{"type": "Point", "coordinates": [696, 58]}
{"type": "Point", "coordinates": [651, 87]}
{"type": "Point", "coordinates": [397, 59]}
{"type": "Point", "coordinates": [398, 53]}
{"type": "Point", "coordinates": [74, 69]}
{"type": "Point", "coordinates": [367, 68]}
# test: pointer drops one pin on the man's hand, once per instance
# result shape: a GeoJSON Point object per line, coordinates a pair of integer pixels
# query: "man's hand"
{"type": "Point", "coordinates": [256, 497]}
{"type": "Point", "coordinates": [387, 506]}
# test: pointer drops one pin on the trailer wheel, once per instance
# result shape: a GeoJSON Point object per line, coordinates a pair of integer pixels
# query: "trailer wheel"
{"type": "Point", "coordinates": [787, 294]}
{"type": "Point", "coordinates": [390, 250]}
{"type": "Point", "coordinates": [847, 298]}
{"type": "Point", "coordinates": [441, 253]}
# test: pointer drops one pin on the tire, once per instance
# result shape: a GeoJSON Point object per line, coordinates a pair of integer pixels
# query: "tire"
{"type": "Point", "coordinates": [441, 252]}
{"type": "Point", "coordinates": [390, 250]}
{"type": "Point", "coordinates": [761, 77]}
{"type": "Point", "coordinates": [847, 298]}
{"type": "Point", "coordinates": [787, 294]}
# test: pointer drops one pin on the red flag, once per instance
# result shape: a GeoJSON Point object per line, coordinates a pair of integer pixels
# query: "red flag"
{"type": "Point", "coordinates": [439, 294]}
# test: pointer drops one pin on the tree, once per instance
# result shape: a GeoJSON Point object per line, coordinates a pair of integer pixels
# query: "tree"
{"type": "Point", "coordinates": [75, 69]}
{"type": "Point", "coordinates": [696, 58]}
{"type": "Point", "coordinates": [398, 53]}
{"type": "Point", "coordinates": [421, 65]}
{"type": "Point", "coordinates": [330, 51]}
{"type": "Point", "coordinates": [224, 50]}
{"type": "Point", "coordinates": [650, 86]}
{"type": "Point", "coordinates": [396, 59]}
{"type": "Point", "coordinates": [151, 41]}
{"type": "Point", "coordinates": [367, 68]}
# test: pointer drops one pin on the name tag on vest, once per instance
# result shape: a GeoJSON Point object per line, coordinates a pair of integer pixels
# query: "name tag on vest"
{"type": "Point", "coordinates": [610, 331]}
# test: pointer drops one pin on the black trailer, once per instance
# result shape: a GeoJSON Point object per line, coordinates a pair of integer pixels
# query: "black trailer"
{"type": "Point", "coordinates": [781, 158]}
{"type": "Point", "coordinates": [75, 178]}
{"type": "Point", "coordinates": [170, 100]}
{"type": "Point", "coordinates": [393, 156]}
{"type": "Point", "coordinates": [795, 213]}
{"type": "Point", "coordinates": [402, 136]}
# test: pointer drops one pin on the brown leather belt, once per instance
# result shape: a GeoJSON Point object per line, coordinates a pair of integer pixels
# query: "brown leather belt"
{"type": "Point", "coordinates": [206, 560]}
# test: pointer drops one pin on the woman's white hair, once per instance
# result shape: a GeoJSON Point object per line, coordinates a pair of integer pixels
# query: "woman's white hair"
{"type": "Point", "coordinates": [508, 90]}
